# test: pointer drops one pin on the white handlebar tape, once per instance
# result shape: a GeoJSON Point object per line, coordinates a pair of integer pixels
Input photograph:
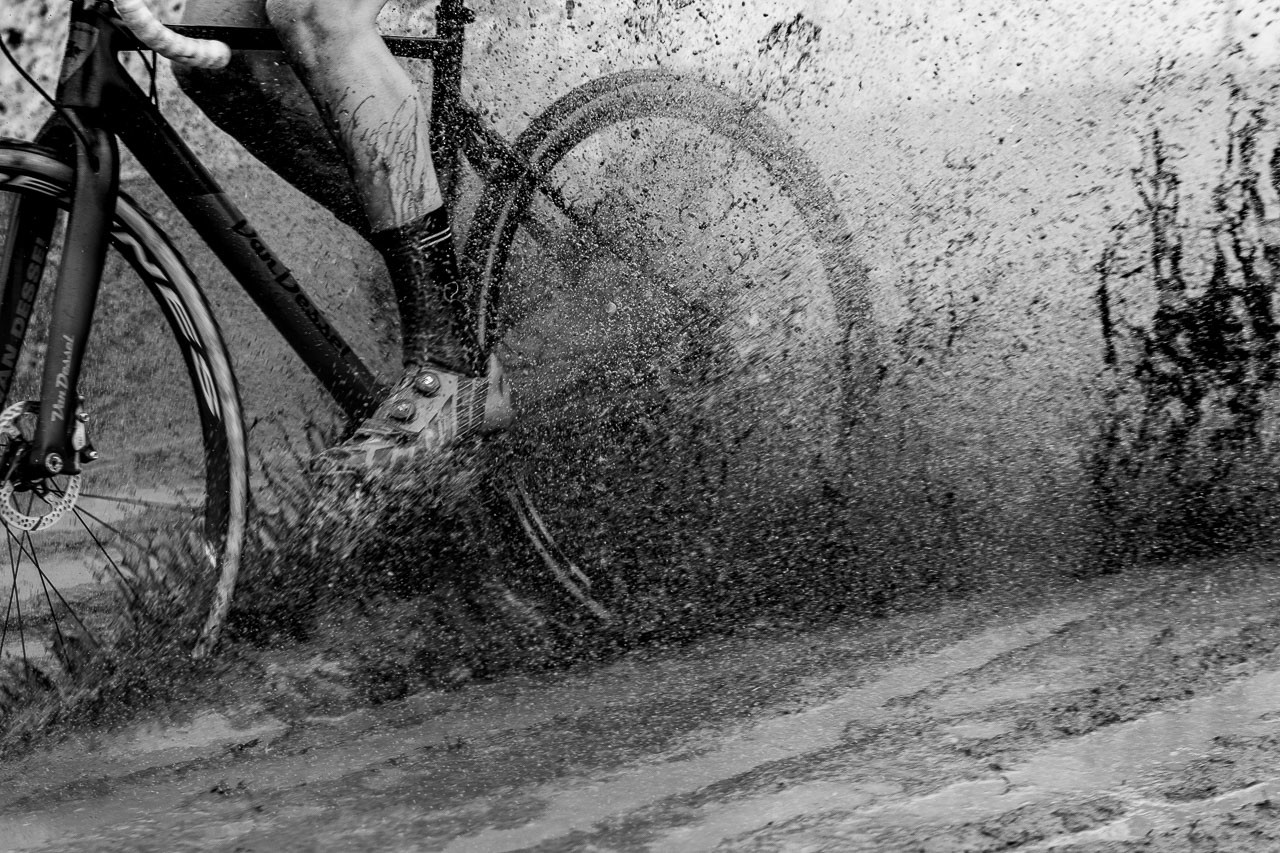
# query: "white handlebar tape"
{"type": "Point", "coordinates": [198, 53]}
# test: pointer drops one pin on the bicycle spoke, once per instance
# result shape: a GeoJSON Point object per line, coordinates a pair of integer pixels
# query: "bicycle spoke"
{"type": "Point", "coordinates": [89, 635]}
{"type": "Point", "coordinates": [27, 548]}
{"type": "Point", "coordinates": [44, 585]}
{"type": "Point", "coordinates": [117, 531]}
{"type": "Point", "coordinates": [22, 548]}
{"type": "Point", "coordinates": [44, 579]}
{"type": "Point", "coordinates": [8, 611]}
{"type": "Point", "coordinates": [185, 509]}
{"type": "Point", "coordinates": [121, 575]}
{"type": "Point", "coordinates": [8, 608]}
{"type": "Point", "coordinates": [17, 600]}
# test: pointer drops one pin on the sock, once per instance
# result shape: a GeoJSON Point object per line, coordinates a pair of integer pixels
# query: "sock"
{"type": "Point", "coordinates": [435, 314]}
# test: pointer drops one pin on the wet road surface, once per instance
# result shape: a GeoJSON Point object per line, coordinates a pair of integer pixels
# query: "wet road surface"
{"type": "Point", "coordinates": [1133, 713]}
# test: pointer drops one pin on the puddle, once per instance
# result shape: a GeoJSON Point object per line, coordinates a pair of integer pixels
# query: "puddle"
{"type": "Point", "coordinates": [1104, 761]}
{"type": "Point", "coordinates": [346, 744]}
{"type": "Point", "coordinates": [1052, 673]}
{"type": "Point", "coordinates": [1111, 756]}
{"type": "Point", "coordinates": [21, 836]}
{"type": "Point", "coordinates": [729, 821]}
{"type": "Point", "coordinates": [65, 572]}
{"type": "Point", "coordinates": [1108, 759]}
{"type": "Point", "coordinates": [773, 740]}
{"type": "Point", "coordinates": [42, 830]}
{"type": "Point", "coordinates": [972, 698]}
{"type": "Point", "coordinates": [137, 750]}
{"type": "Point", "coordinates": [1149, 816]}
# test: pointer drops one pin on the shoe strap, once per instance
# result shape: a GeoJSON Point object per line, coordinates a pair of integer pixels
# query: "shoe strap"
{"type": "Point", "coordinates": [384, 429]}
{"type": "Point", "coordinates": [470, 403]}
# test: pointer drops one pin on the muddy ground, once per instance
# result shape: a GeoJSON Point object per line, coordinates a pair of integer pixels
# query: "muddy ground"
{"type": "Point", "coordinates": [1137, 712]}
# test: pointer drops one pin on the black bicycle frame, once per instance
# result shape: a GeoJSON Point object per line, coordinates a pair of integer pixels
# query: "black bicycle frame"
{"type": "Point", "coordinates": [101, 102]}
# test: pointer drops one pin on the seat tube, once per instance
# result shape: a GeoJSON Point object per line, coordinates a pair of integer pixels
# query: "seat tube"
{"type": "Point", "coordinates": [452, 18]}
{"type": "Point", "coordinates": [75, 294]}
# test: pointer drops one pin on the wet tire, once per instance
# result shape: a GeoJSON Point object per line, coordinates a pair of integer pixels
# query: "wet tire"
{"type": "Point", "coordinates": [157, 527]}
{"type": "Point", "coordinates": [675, 294]}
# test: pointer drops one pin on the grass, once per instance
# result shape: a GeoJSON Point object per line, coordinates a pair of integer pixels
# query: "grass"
{"type": "Point", "coordinates": [1184, 462]}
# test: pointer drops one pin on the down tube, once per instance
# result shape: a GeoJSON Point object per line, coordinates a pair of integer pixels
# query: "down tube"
{"type": "Point", "coordinates": [246, 255]}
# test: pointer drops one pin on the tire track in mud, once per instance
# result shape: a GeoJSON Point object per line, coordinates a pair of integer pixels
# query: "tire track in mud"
{"type": "Point", "coordinates": [1171, 747]}
{"type": "Point", "coordinates": [454, 756]}
{"type": "Point", "coordinates": [944, 731]}
{"type": "Point", "coordinates": [1052, 800]}
{"type": "Point", "coordinates": [568, 809]}
{"type": "Point", "coordinates": [718, 680]}
{"type": "Point", "coordinates": [1141, 652]}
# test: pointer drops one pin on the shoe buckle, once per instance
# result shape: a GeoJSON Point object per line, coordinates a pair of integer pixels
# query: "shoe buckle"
{"type": "Point", "coordinates": [401, 410]}
{"type": "Point", "coordinates": [427, 384]}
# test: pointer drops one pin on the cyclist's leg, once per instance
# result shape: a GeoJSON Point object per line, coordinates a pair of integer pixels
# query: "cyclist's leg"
{"type": "Point", "coordinates": [374, 113]}
{"type": "Point", "coordinates": [367, 100]}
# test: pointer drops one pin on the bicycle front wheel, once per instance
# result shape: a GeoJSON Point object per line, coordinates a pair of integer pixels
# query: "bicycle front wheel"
{"type": "Point", "coordinates": [674, 292]}
{"type": "Point", "coordinates": [154, 523]}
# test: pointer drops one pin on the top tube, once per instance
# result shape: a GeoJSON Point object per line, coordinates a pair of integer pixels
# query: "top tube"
{"type": "Point", "coordinates": [264, 38]}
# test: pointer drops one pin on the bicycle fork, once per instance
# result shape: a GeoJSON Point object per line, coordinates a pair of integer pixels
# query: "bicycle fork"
{"type": "Point", "coordinates": [59, 444]}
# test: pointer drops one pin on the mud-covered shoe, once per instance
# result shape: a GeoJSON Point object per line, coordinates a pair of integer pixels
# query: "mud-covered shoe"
{"type": "Point", "coordinates": [427, 413]}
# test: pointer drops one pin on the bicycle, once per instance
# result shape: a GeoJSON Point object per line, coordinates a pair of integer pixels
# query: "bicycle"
{"type": "Point", "coordinates": [590, 237]}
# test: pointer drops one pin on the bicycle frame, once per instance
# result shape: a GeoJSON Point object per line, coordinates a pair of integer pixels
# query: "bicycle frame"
{"type": "Point", "coordinates": [101, 102]}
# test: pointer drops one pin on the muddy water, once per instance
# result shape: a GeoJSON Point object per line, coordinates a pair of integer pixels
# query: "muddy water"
{"type": "Point", "coordinates": [1100, 763]}
{"type": "Point", "coordinates": [1108, 759]}
{"type": "Point", "coordinates": [954, 730]}
{"type": "Point", "coordinates": [147, 747]}
{"type": "Point", "coordinates": [772, 740]}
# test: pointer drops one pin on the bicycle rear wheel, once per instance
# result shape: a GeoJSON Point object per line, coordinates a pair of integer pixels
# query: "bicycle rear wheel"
{"type": "Point", "coordinates": [152, 527]}
{"type": "Point", "coordinates": [675, 295]}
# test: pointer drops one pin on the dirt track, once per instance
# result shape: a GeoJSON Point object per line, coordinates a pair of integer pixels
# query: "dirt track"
{"type": "Point", "coordinates": [1138, 713]}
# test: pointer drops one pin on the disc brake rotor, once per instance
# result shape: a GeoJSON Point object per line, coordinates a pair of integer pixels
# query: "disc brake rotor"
{"type": "Point", "coordinates": [59, 501]}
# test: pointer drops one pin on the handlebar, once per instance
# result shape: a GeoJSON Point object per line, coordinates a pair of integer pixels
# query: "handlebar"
{"type": "Point", "coordinates": [146, 27]}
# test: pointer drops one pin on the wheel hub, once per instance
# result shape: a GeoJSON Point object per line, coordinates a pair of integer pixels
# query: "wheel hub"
{"type": "Point", "coordinates": [55, 499]}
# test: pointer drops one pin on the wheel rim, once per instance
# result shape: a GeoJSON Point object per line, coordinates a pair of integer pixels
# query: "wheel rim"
{"type": "Point", "coordinates": [685, 397]}
{"type": "Point", "coordinates": [132, 536]}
